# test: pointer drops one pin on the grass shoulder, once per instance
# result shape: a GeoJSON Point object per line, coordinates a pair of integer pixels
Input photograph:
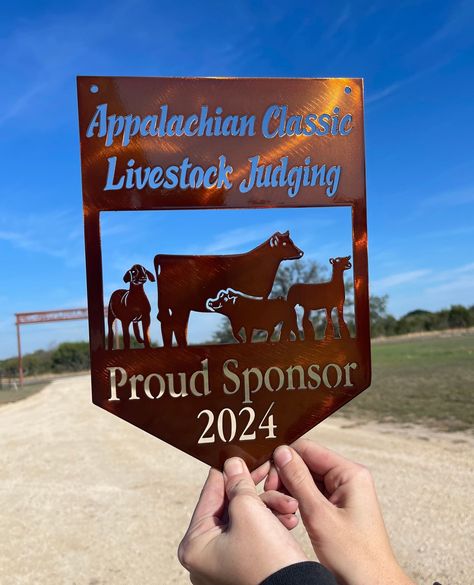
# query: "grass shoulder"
{"type": "Point", "coordinates": [428, 381]}
{"type": "Point", "coordinates": [13, 392]}
{"type": "Point", "coordinates": [8, 395]}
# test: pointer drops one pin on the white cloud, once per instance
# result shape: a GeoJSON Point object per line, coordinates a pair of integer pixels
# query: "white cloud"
{"type": "Point", "coordinates": [386, 91]}
{"type": "Point", "coordinates": [458, 282]}
{"type": "Point", "coordinates": [43, 233]}
{"type": "Point", "coordinates": [338, 24]}
{"type": "Point", "coordinates": [233, 240]}
{"type": "Point", "coordinates": [454, 272]}
{"type": "Point", "coordinates": [41, 56]}
{"type": "Point", "coordinates": [457, 26]}
{"type": "Point", "coordinates": [397, 85]}
{"type": "Point", "coordinates": [453, 36]}
{"type": "Point", "coordinates": [449, 198]}
{"type": "Point", "coordinates": [399, 278]}
{"type": "Point", "coordinates": [443, 279]}
{"type": "Point", "coordinates": [430, 290]}
{"type": "Point", "coordinates": [464, 284]}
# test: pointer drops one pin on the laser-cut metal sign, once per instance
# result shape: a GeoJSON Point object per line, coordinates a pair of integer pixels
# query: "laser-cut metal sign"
{"type": "Point", "coordinates": [171, 143]}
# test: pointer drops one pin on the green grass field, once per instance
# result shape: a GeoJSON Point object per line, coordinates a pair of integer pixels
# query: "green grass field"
{"type": "Point", "coordinates": [422, 380]}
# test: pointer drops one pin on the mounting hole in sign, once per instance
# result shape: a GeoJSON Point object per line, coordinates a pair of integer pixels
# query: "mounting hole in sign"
{"type": "Point", "coordinates": [94, 88]}
{"type": "Point", "coordinates": [347, 89]}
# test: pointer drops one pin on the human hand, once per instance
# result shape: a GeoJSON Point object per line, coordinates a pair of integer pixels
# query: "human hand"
{"type": "Point", "coordinates": [239, 541]}
{"type": "Point", "coordinates": [340, 511]}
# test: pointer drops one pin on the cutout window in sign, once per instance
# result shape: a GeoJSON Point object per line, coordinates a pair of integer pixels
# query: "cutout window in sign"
{"type": "Point", "coordinates": [234, 279]}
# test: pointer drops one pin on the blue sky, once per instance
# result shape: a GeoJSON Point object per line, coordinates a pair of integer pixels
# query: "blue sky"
{"type": "Point", "coordinates": [417, 61]}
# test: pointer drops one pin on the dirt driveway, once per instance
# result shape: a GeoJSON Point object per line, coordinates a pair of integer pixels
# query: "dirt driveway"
{"type": "Point", "coordinates": [86, 499]}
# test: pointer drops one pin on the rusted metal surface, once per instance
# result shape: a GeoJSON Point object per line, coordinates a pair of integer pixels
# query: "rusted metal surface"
{"type": "Point", "coordinates": [33, 317]}
{"type": "Point", "coordinates": [242, 398]}
{"type": "Point", "coordinates": [47, 316]}
{"type": "Point", "coordinates": [20, 355]}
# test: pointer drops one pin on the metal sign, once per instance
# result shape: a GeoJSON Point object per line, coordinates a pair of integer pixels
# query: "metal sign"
{"type": "Point", "coordinates": [160, 144]}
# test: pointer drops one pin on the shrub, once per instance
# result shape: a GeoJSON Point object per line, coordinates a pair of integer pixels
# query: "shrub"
{"type": "Point", "coordinates": [71, 357]}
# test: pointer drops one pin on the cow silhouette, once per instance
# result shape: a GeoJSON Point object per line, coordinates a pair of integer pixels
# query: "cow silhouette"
{"type": "Point", "coordinates": [186, 282]}
{"type": "Point", "coordinates": [247, 314]}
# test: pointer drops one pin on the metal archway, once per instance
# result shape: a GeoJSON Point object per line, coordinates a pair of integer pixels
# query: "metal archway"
{"type": "Point", "coordinates": [42, 317]}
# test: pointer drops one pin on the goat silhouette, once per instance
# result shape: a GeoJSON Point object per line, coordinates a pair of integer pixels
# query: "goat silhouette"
{"type": "Point", "coordinates": [131, 306]}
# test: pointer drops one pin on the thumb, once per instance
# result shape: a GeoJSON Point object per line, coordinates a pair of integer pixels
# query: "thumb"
{"type": "Point", "coordinates": [238, 481]}
{"type": "Point", "coordinates": [298, 480]}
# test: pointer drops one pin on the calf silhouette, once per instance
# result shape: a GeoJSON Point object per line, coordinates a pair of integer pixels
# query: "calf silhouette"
{"type": "Point", "coordinates": [323, 295]}
{"type": "Point", "coordinates": [131, 306]}
{"type": "Point", "coordinates": [247, 313]}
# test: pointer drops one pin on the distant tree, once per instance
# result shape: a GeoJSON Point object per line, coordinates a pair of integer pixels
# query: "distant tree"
{"type": "Point", "coordinates": [298, 271]}
{"type": "Point", "coordinates": [459, 316]}
{"type": "Point", "coordinates": [456, 316]}
{"type": "Point", "coordinates": [35, 363]}
{"type": "Point", "coordinates": [418, 320]}
{"type": "Point", "coordinates": [378, 315]}
{"type": "Point", "coordinates": [441, 320]}
{"type": "Point", "coordinates": [133, 342]}
{"type": "Point", "coordinates": [9, 368]}
{"type": "Point", "coordinates": [389, 326]}
{"type": "Point", "coordinates": [71, 357]}
{"type": "Point", "coordinates": [38, 362]}
{"type": "Point", "coordinates": [471, 314]}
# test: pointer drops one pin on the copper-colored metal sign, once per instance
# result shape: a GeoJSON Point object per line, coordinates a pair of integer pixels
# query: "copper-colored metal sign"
{"type": "Point", "coordinates": [170, 143]}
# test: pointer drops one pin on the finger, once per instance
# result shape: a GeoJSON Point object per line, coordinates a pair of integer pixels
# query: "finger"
{"type": "Point", "coordinates": [279, 503]}
{"type": "Point", "coordinates": [289, 521]}
{"type": "Point", "coordinates": [283, 507]}
{"type": "Point", "coordinates": [238, 481]}
{"type": "Point", "coordinates": [319, 459]}
{"type": "Point", "coordinates": [273, 480]}
{"type": "Point", "coordinates": [260, 473]}
{"type": "Point", "coordinates": [297, 478]}
{"type": "Point", "coordinates": [210, 505]}
{"type": "Point", "coordinates": [333, 469]}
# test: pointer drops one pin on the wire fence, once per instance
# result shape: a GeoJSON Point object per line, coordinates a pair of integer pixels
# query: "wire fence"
{"type": "Point", "coordinates": [8, 382]}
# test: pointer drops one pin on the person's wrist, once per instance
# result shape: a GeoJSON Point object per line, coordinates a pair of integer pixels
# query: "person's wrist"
{"type": "Point", "coordinates": [302, 572]}
{"type": "Point", "coordinates": [277, 564]}
{"type": "Point", "coordinates": [398, 576]}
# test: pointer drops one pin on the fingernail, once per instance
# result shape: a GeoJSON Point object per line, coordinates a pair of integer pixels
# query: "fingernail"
{"type": "Point", "coordinates": [233, 466]}
{"type": "Point", "coordinates": [282, 456]}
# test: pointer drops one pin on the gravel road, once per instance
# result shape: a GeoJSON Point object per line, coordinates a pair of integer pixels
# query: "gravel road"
{"type": "Point", "coordinates": [87, 499]}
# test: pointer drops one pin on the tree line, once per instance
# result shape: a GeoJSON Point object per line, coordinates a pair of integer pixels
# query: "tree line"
{"type": "Point", "coordinates": [384, 324]}
{"type": "Point", "coordinates": [66, 357]}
